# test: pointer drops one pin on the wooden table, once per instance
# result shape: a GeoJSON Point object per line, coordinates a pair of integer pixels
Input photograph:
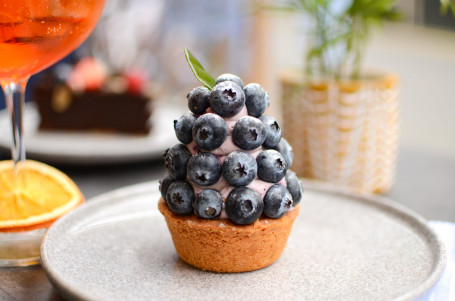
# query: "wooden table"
{"type": "Point", "coordinates": [425, 183]}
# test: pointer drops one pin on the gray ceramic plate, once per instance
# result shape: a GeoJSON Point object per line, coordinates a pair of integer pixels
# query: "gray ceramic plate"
{"type": "Point", "coordinates": [343, 246]}
{"type": "Point", "coordinates": [92, 147]}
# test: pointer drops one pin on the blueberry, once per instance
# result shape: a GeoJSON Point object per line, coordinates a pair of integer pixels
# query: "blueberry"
{"type": "Point", "coordinates": [239, 168]}
{"type": "Point", "coordinates": [243, 206]}
{"type": "Point", "coordinates": [175, 160]}
{"type": "Point", "coordinates": [294, 186]}
{"type": "Point", "coordinates": [204, 169]}
{"type": "Point", "coordinates": [248, 133]}
{"type": "Point", "coordinates": [198, 100]}
{"type": "Point", "coordinates": [209, 131]}
{"type": "Point", "coordinates": [277, 201]}
{"type": "Point", "coordinates": [273, 130]}
{"type": "Point", "coordinates": [180, 197]}
{"type": "Point", "coordinates": [229, 77]}
{"type": "Point", "coordinates": [256, 99]}
{"type": "Point", "coordinates": [271, 166]}
{"type": "Point", "coordinates": [208, 204]}
{"type": "Point", "coordinates": [164, 185]}
{"type": "Point", "coordinates": [227, 99]}
{"type": "Point", "coordinates": [286, 150]}
{"type": "Point", "coordinates": [183, 127]}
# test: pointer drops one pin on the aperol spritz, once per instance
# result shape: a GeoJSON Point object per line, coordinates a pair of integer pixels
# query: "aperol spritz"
{"type": "Point", "coordinates": [35, 34]}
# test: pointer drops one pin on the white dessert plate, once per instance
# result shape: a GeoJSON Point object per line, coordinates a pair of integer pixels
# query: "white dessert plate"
{"type": "Point", "coordinates": [65, 147]}
{"type": "Point", "coordinates": [343, 246]}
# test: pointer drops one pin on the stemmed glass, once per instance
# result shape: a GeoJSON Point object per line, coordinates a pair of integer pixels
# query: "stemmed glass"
{"type": "Point", "coordinates": [35, 34]}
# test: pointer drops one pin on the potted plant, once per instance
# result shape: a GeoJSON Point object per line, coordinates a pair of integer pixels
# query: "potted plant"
{"type": "Point", "coordinates": [342, 120]}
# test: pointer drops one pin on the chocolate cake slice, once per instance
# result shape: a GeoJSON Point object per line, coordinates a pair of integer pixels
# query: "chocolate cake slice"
{"type": "Point", "coordinates": [86, 97]}
{"type": "Point", "coordinates": [62, 109]}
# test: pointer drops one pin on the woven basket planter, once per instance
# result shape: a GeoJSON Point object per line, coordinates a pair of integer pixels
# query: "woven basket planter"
{"type": "Point", "coordinates": [343, 131]}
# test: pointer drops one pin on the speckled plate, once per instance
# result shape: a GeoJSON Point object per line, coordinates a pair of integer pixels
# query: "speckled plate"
{"type": "Point", "coordinates": [66, 147]}
{"type": "Point", "coordinates": [343, 246]}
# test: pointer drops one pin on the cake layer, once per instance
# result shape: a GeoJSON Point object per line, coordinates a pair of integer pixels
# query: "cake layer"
{"type": "Point", "coordinates": [62, 109]}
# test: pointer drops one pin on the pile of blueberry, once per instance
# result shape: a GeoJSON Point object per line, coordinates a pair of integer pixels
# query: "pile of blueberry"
{"type": "Point", "coordinates": [208, 131]}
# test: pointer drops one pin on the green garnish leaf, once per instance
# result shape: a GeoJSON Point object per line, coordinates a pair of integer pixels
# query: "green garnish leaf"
{"type": "Point", "coordinates": [199, 71]}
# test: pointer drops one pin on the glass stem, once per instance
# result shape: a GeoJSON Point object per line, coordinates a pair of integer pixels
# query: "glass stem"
{"type": "Point", "coordinates": [15, 100]}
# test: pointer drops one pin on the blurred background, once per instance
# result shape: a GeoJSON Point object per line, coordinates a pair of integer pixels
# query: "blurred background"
{"type": "Point", "coordinates": [233, 36]}
{"type": "Point", "coordinates": [259, 46]}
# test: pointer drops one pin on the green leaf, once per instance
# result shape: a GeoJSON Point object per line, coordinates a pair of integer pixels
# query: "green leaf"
{"type": "Point", "coordinates": [199, 71]}
{"type": "Point", "coordinates": [446, 4]}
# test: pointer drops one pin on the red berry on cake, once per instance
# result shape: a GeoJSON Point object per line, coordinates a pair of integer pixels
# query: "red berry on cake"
{"type": "Point", "coordinates": [88, 74]}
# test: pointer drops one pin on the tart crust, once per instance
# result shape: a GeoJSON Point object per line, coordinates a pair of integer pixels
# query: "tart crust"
{"type": "Point", "coordinates": [222, 246]}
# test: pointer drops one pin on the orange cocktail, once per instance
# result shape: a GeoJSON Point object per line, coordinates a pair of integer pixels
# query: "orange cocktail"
{"type": "Point", "coordinates": [35, 34]}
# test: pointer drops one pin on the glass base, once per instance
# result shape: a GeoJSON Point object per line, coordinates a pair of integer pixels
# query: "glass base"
{"type": "Point", "coordinates": [18, 249]}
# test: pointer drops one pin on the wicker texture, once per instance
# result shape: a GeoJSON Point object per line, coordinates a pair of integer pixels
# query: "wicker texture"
{"type": "Point", "coordinates": [344, 132]}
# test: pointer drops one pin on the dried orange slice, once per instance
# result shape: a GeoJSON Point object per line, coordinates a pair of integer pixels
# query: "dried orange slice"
{"type": "Point", "coordinates": [34, 195]}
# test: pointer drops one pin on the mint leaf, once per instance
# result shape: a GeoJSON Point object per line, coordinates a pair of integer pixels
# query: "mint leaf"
{"type": "Point", "coordinates": [199, 71]}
